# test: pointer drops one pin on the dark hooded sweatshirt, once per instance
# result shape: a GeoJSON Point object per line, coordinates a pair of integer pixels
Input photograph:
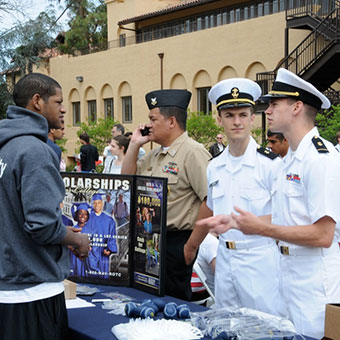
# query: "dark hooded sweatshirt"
{"type": "Point", "coordinates": [31, 190]}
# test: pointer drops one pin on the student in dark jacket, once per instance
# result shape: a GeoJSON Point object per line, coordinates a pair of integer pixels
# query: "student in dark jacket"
{"type": "Point", "coordinates": [88, 154]}
{"type": "Point", "coordinates": [34, 258]}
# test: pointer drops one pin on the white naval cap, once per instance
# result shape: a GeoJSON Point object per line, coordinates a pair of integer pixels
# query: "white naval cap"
{"type": "Point", "coordinates": [234, 92]}
{"type": "Point", "coordinates": [288, 84]}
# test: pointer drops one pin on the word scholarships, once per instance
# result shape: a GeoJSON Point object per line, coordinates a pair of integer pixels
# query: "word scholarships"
{"type": "Point", "coordinates": [96, 183]}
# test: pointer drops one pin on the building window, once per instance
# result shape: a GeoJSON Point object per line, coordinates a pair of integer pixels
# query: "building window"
{"type": "Point", "coordinates": [122, 40]}
{"type": "Point", "coordinates": [76, 113]}
{"type": "Point", "coordinates": [127, 109]}
{"type": "Point", "coordinates": [266, 9]}
{"type": "Point", "coordinates": [108, 108]}
{"type": "Point", "coordinates": [203, 103]}
{"type": "Point", "coordinates": [92, 110]}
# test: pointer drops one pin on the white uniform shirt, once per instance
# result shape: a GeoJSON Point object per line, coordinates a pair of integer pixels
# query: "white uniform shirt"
{"type": "Point", "coordinates": [248, 186]}
{"type": "Point", "coordinates": [247, 274]}
{"type": "Point", "coordinates": [307, 189]}
{"type": "Point", "coordinates": [308, 185]}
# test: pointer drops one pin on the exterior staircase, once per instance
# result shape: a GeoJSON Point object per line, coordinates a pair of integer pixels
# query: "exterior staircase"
{"type": "Point", "coordinates": [317, 58]}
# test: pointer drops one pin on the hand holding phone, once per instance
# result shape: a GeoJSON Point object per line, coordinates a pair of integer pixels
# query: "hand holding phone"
{"type": "Point", "coordinates": [145, 131]}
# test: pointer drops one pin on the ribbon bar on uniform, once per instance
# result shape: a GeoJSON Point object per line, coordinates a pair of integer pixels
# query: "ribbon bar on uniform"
{"type": "Point", "coordinates": [230, 245]}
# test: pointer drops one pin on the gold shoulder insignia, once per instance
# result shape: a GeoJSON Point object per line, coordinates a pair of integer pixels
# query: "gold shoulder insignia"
{"type": "Point", "coordinates": [265, 152]}
{"type": "Point", "coordinates": [319, 145]}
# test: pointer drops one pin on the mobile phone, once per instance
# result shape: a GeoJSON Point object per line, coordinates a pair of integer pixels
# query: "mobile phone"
{"type": "Point", "coordinates": [145, 131]}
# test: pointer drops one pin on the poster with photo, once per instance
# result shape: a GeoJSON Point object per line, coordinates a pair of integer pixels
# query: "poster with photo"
{"type": "Point", "coordinates": [99, 205]}
{"type": "Point", "coordinates": [149, 234]}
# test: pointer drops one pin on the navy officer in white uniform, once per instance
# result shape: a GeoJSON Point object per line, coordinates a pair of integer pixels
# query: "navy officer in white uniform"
{"type": "Point", "coordinates": [247, 266]}
{"type": "Point", "coordinates": [306, 212]}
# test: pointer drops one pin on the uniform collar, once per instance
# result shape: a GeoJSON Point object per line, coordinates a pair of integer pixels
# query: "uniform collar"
{"type": "Point", "coordinates": [304, 144]}
{"type": "Point", "coordinates": [249, 157]}
{"type": "Point", "coordinates": [176, 144]}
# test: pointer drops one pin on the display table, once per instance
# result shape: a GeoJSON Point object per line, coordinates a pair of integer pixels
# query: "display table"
{"type": "Point", "coordinates": [96, 323]}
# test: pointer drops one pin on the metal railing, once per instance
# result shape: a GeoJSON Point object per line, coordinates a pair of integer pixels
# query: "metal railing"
{"type": "Point", "coordinates": [332, 95]}
{"type": "Point", "coordinates": [314, 8]}
{"type": "Point", "coordinates": [319, 41]}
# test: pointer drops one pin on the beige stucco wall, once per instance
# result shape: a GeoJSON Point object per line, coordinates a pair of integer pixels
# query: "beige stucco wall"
{"type": "Point", "coordinates": [191, 60]}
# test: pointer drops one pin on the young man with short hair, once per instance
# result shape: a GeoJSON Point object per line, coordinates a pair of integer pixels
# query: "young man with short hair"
{"type": "Point", "coordinates": [277, 143]}
{"type": "Point", "coordinates": [247, 267]}
{"type": "Point", "coordinates": [34, 259]}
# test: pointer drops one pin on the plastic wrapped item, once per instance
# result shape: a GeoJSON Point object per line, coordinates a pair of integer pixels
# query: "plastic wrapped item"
{"type": "Point", "coordinates": [243, 324]}
{"type": "Point", "coordinates": [114, 307]}
{"type": "Point", "coordinates": [86, 290]}
{"type": "Point", "coordinates": [149, 329]}
{"type": "Point", "coordinates": [117, 304]}
{"type": "Point", "coordinates": [118, 296]}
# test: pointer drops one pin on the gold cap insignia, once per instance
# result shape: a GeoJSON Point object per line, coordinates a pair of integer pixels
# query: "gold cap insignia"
{"type": "Point", "coordinates": [154, 101]}
{"type": "Point", "coordinates": [235, 92]}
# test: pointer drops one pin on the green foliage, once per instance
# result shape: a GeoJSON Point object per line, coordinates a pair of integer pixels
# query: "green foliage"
{"type": "Point", "coordinates": [70, 166]}
{"type": "Point", "coordinates": [99, 132]}
{"type": "Point", "coordinates": [88, 28]}
{"type": "Point", "coordinates": [24, 45]}
{"type": "Point", "coordinates": [256, 132]}
{"type": "Point", "coordinates": [328, 123]}
{"type": "Point", "coordinates": [203, 128]}
{"type": "Point", "coordinates": [5, 98]}
{"type": "Point", "coordinates": [61, 143]}
{"type": "Point", "coordinates": [99, 168]}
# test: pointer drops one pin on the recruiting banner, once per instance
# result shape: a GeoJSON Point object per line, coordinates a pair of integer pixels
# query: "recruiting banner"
{"type": "Point", "coordinates": [125, 220]}
{"type": "Point", "coordinates": [99, 206]}
{"type": "Point", "coordinates": [149, 234]}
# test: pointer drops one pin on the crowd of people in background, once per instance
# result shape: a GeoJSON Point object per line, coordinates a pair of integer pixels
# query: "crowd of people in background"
{"type": "Point", "coordinates": [115, 150]}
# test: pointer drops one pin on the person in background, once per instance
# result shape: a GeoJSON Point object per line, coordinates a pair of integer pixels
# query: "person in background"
{"type": "Point", "coordinates": [88, 154]}
{"type": "Point", "coordinates": [119, 146]}
{"type": "Point", "coordinates": [53, 135]}
{"type": "Point", "coordinates": [34, 258]}
{"type": "Point", "coordinates": [183, 161]}
{"type": "Point", "coordinates": [217, 147]}
{"type": "Point", "coordinates": [107, 149]}
{"type": "Point", "coordinates": [277, 143]}
{"type": "Point", "coordinates": [206, 259]}
{"type": "Point", "coordinates": [141, 152]}
{"type": "Point", "coordinates": [117, 130]}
